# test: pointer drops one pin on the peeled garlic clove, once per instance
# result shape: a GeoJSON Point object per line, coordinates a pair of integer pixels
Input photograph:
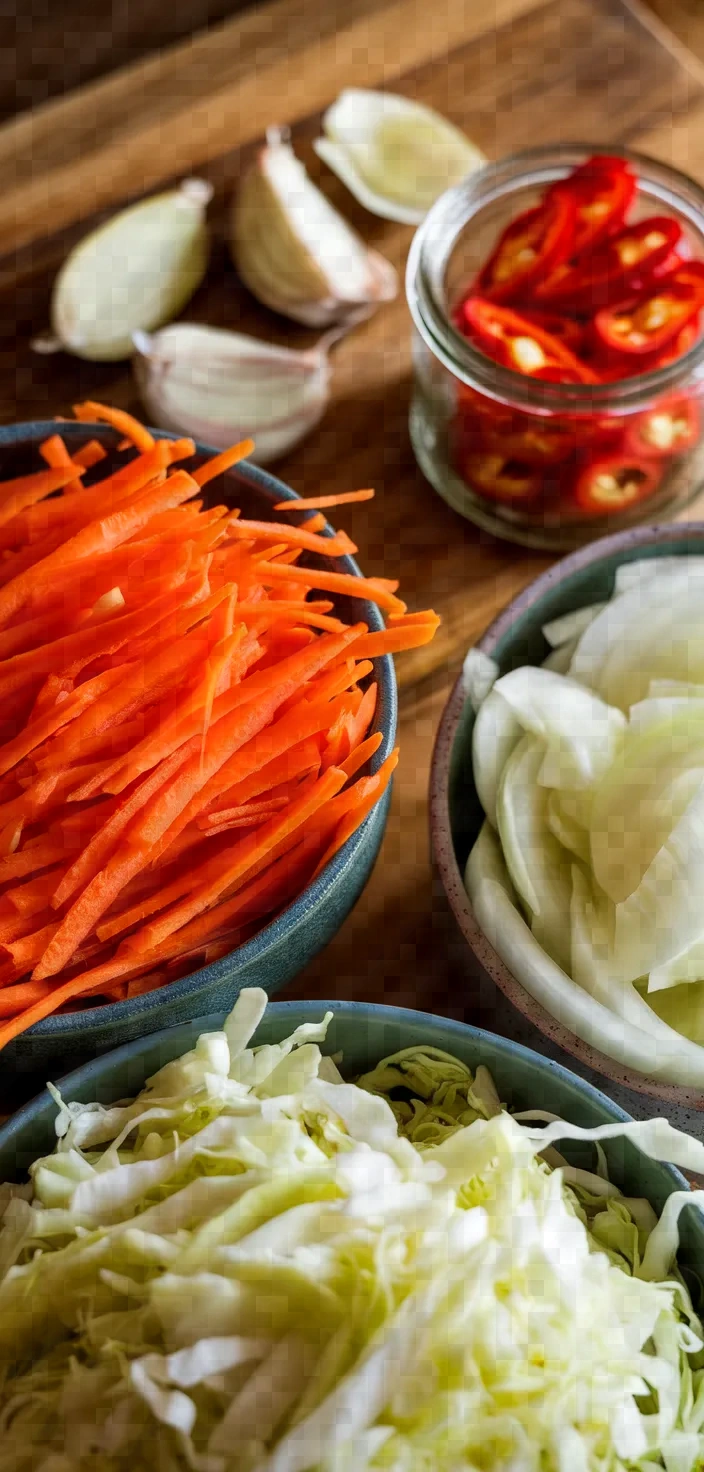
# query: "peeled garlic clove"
{"type": "Point", "coordinates": [132, 274]}
{"type": "Point", "coordinates": [295, 252]}
{"type": "Point", "coordinates": [220, 387]}
{"type": "Point", "coordinates": [396, 156]}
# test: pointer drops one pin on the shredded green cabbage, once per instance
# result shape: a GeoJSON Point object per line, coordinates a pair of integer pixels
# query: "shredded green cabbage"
{"type": "Point", "coordinates": [256, 1266]}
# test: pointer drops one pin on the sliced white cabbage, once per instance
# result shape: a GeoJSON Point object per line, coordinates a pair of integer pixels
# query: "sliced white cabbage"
{"type": "Point", "coordinates": [568, 817]}
{"type": "Point", "coordinates": [665, 915]}
{"type": "Point", "coordinates": [648, 787]}
{"type": "Point", "coordinates": [534, 858]}
{"type": "Point", "coordinates": [592, 922]}
{"type": "Point", "coordinates": [686, 968]}
{"type": "Point", "coordinates": [395, 155]}
{"type": "Point", "coordinates": [682, 1008]}
{"type": "Point", "coordinates": [560, 659]}
{"type": "Point", "coordinates": [479, 674]}
{"type": "Point", "coordinates": [652, 631]}
{"type": "Point", "coordinates": [548, 984]}
{"type": "Point", "coordinates": [496, 732]}
{"type": "Point", "coordinates": [581, 733]}
{"type": "Point", "coordinates": [570, 625]}
{"type": "Point", "coordinates": [645, 569]}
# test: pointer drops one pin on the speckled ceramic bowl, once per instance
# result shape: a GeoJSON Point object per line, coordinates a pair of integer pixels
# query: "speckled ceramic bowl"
{"type": "Point", "coordinates": [515, 638]}
{"type": "Point", "coordinates": [282, 948]}
{"type": "Point", "coordinates": [364, 1033]}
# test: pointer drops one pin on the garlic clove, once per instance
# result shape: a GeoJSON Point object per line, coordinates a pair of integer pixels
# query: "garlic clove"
{"type": "Point", "coordinates": [134, 273]}
{"type": "Point", "coordinates": [395, 156]}
{"type": "Point", "coordinates": [295, 252]}
{"type": "Point", "coordinates": [220, 387]}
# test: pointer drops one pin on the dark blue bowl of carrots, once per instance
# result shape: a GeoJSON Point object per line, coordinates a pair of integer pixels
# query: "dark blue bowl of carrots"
{"type": "Point", "coordinates": [196, 735]}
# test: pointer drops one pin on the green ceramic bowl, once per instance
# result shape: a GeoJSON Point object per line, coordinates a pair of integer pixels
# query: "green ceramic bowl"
{"type": "Point", "coordinates": [365, 1033]}
{"type": "Point", "coordinates": [515, 638]}
{"type": "Point", "coordinates": [285, 946]}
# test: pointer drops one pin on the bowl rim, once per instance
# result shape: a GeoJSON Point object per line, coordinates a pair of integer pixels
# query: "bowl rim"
{"type": "Point", "coordinates": [290, 1015]}
{"type": "Point", "coordinates": [660, 535]}
{"type": "Point", "coordinates": [70, 1025]}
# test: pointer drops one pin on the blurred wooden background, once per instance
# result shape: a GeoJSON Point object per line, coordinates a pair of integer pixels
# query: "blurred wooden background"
{"type": "Point", "coordinates": [49, 47]}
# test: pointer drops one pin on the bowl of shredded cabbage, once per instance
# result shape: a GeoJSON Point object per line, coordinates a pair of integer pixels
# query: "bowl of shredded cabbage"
{"type": "Point", "coordinates": [567, 807]}
{"type": "Point", "coordinates": [344, 1241]}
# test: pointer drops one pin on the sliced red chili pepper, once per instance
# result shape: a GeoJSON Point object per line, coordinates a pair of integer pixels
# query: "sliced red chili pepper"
{"type": "Point", "coordinates": [615, 483]}
{"type": "Point", "coordinates": [531, 442]}
{"type": "Point", "coordinates": [624, 264]}
{"type": "Point", "coordinates": [501, 478]}
{"type": "Point", "coordinates": [648, 323]}
{"type": "Point", "coordinates": [615, 366]}
{"type": "Point", "coordinates": [668, 428]}
{"type": "Point", "coordinates": [565, 329]}
{"type": "Point", "coordinates": [513, 341]}
{"type": "Point", "coordinates": [602, 189]}
{"type": "Point", "coordinates": [532, 245]}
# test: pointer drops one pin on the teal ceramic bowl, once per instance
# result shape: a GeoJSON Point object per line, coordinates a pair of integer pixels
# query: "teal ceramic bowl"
{"type": "Point", "coordinates": [515, 638]}
{"type": "Point", "coordinates": [365, 1033]}
{"type": "Point", "coordinates": [282, 948]}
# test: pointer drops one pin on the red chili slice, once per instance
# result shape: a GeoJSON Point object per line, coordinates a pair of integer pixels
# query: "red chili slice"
{"type": "Point", "coordinates": [615, 483]}
{"type": "Point", "coordinates": [648, 323]}
{"type": "Point", "coordinates": [668, 428]}
{"type": "Point", "coordinates": [602, 189]}
{"type": "Point", "coordinates": [517, 343]}
{"type": "Point", "coordinates": [501, 478]}
{"type": "Point", "coordinates": [533, 244]}
{"type": "Point", "coordinates": [565, 329]}
{"type": "Point", "coordinates": [616, 366]}
{"type": "Point", "coordinates": [626, 263]}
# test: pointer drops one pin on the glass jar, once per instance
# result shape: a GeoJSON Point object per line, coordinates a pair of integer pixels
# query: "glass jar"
{"type": "Point", "coordinates": [460, 394]}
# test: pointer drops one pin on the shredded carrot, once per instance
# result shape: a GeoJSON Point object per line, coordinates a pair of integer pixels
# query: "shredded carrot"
{"type": "Point", "coordinates": [185, 717]}
{"type": "Point", "coordinates": [124, 423]}
{"type": "Point", "coordinates": [223, 462]}
{"type": "Point", "coordinates": [345, 498]}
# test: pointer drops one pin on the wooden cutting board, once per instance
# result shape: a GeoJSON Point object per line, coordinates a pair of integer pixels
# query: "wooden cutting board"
{"type": "Point", "coordinates": [512, 73]}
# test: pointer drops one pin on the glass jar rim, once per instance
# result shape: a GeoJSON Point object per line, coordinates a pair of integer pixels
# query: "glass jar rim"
{"type": "Point", "coordinates": [436, 238]}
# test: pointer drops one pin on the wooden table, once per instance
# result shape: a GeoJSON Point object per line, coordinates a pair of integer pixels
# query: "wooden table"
{"type": "Point", "coordinates": [510, 72]}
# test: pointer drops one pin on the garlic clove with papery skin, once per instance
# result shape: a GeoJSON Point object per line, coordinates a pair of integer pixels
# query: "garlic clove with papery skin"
{"type": "Point", "coordinates": [395, 156]}
{"type": "Point", "coordinates": [133, 273]}
{"type": "Point", "coordinates": [220, 387]}
{"type": "Point", "coordinates": [295, 252]}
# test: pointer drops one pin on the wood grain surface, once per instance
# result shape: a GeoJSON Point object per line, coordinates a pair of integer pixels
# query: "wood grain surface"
{"type": "Point", "coordinates": [512, 73]}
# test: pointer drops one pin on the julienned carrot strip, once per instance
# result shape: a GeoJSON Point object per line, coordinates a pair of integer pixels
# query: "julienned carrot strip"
{"type": "Point", "coordinates": [361, 809]}
{"type": "Point", "coordinates": [293, 762]}
{"type": "Point", "coordinates": [375, 590]}
{"type": "Point", "coordinates": [59, 714]}
{"type": "Point", "coordinates": [230, 734]}
{"type": "Point", "coordinates": [17, 495]}
{"type": "Point", "coordinates": [102, 845]}
{"type": "Point", "coordinates": [361, 754]}
{"type": "Point", "coordinates": [222, 462]}
{"type": "Point", "coordinates": [395, 640]}
{"type": "Point", "coordinates": [305, 503]}
{"type": "Point", "coordinates": [95, 640]}
{"type": "Point", "coordinates": [79, 508]}
{"type": "Point", "coordinates": [244, 855]}
{"type": "Point", "coordinates": [338, 545]}
{"type": "Point", "coordinates": [96, 539]}
{"type": "Point", "coordinates": [14, 999]}
{"type": "Point", "coordinates": [178, 727]}
{"type": "Point", "coordinates": [54, 451]}
{"type": "Point", "coordinates": [90, 454]}
{"type": "Point", "coordinates": [124, 423]}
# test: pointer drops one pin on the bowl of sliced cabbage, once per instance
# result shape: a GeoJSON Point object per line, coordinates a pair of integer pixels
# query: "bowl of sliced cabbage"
{"type": "Point", "coordinates": [567, 807]}
{"type": "Point", "coordinates": [345, 1241]}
